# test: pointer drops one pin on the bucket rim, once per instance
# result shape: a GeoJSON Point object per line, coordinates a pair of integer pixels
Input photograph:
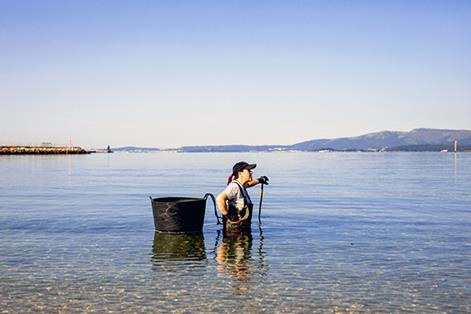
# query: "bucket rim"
{"type": "Point", "coordinates": [176, 199]}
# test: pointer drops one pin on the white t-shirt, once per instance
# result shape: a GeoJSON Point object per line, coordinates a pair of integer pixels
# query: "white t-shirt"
{"type": "Point", "coordinates": [235, 196]}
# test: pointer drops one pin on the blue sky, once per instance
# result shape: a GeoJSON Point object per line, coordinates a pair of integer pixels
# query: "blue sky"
{"type": "Point", "coordinates": [174, 73]}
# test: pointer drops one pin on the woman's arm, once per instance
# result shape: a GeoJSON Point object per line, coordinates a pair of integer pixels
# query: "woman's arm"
{"type": "Point", "coordinates": [221, 202]}
{"type": "Point", "coordinates": [251, 183]}
{"type": "Point", "coordinates": [262, 180]}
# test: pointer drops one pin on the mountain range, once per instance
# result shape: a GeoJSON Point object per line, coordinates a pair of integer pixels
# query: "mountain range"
{"type": "Point", "coordinates": [389, 140]}
{"type": "Point", "coordinates": [422, 139]}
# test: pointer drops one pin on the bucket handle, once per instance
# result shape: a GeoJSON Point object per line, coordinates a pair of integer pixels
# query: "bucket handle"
{"type": "Point", "coordinates": [219, 219]}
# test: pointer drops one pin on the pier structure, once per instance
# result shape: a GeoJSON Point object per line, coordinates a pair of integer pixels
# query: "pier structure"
{"type": "Point", "coordinates": [41, 150]}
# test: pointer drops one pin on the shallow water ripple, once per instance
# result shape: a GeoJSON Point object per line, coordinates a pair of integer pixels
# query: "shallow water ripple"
{"type": "Point", "coordinates": [340, 233]}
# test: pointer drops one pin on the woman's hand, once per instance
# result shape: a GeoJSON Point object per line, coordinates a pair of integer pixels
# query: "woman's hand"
{"type": "Point", "coordinates": [263, 180]}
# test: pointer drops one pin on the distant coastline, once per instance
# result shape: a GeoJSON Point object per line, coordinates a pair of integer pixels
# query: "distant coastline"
{"type": "Point", "coordinates": [217, 149]}
{"type": "Point", "coordinates": [417, 140]}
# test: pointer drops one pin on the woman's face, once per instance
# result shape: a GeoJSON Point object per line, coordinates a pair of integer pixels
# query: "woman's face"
{"type": "Point", "coordinates": [245, 175]}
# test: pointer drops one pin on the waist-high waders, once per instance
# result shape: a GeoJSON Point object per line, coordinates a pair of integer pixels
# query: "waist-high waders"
{"type": "Point", "coordinates": [244, 216]}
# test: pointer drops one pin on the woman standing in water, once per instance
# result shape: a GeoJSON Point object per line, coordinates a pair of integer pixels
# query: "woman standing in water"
{"type": "Point", "coordinates": [234, 202]}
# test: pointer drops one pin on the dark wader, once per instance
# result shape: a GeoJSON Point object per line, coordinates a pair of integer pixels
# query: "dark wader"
{"type": "Point", "coordinates": [244, 225]}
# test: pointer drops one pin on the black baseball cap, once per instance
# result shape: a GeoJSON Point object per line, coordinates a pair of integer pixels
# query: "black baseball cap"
{"type": "Point", "coordinates": [241, 165]}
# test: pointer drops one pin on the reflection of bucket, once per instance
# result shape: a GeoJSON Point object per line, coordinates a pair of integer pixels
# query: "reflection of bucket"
{"type": "Point", "coordinates": [179, 214]}
{"type": "Point", "coordinates": [178, 246]}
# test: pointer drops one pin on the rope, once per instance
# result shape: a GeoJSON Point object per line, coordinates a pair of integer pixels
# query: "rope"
{"type": "Point", "coordinates": [219, 219]}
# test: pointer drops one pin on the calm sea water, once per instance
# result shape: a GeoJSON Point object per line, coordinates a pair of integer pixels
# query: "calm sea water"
{"type": "Point", "coordinates": [340, 232]}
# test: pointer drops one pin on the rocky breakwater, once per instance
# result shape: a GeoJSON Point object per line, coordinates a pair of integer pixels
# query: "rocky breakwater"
{"type": "Point", "coordinates": [41, 150]}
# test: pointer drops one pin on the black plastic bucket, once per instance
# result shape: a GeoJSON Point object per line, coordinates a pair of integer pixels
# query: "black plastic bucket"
{"type": "Point", "coordinates": [179, 214]}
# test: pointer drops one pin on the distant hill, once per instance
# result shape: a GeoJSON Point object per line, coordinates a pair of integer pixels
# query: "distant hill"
{"type": "Point", "coordinates": [415, 140]}
{"type": "Point", "coordinates": [388, 140]}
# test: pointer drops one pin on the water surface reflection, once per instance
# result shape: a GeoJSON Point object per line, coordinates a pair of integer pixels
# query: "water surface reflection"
{"type": "Point", "coordinates": [172, 252]}
{"type": "Point", "coordinates": [178, 246]}
{"type": "Point", "coordinates": [235, 259]}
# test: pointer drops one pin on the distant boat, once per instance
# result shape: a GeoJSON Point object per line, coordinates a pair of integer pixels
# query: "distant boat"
{"type": "Point", "coordinates": [444, 151]}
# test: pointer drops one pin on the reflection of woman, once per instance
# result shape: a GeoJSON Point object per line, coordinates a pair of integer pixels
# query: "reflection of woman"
{"type": "Point", "coordinates": [233, 257]}
{"type": "Point", "coordinates": [234, 202]}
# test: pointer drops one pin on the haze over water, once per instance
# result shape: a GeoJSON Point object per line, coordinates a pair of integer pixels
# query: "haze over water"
{"type": "Point", "coordinates": [340, 231]}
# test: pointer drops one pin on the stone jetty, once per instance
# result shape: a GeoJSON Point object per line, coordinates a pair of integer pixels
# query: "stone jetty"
{"type": "Point", "coordinates": [41, 150]}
